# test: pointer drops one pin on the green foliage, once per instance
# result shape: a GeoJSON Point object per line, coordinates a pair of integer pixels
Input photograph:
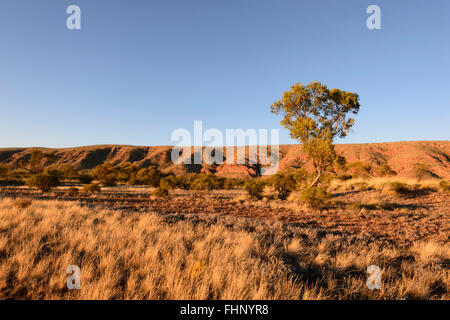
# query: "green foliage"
{"type": "Point", "coordinates": [204, 181]}
{"type": "Point", "coordinates": [126, 171]}
{"type": "Point", "coordinates": [284, 184]}
{"type": "Point", "coordinates": [360, 169]}
{"type": "Point", "coordinates": [384, 170]}
{"type": "Point", "coordinates": [314, 197]}
{"type": "Point", "coordinates": [169, 182]}
{"type": "Point", "coordinates": [399, 188]}
{"type": "Point", "coordinates": [301, 177]}
{"type": "Point", "coordinates": [72, 192]}
{"type": "Point", "coordinates": [315, 116]}
{"type": "Point", "coordinates": [254, 188]}
{"type": "Point", "coordinates": [228, 184]}
{"type": "Point", "coordinates": [161, 192]}
{"type": "Point", "coordinates": [91, 188]}
{"type": "Point", "coordinates": [69, 173]}
{"type": "Point", "coordinates": [149, 176]}
{"type": "Point", "coordinates": [445, 186]}
{"type": "Point", "coordinates": [106, 173]}
{"type": "Point", "coordinates": [43, 181]}
{"type": "Point", "coordinates": [340, 163]}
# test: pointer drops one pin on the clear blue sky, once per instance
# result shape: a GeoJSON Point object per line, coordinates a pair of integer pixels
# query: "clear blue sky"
{"type": "Point", "coordinates": [139, 69]}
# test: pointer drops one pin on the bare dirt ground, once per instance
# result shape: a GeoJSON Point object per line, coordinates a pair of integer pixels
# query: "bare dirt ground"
{"type": "Point", "coordinates": [406, 219]}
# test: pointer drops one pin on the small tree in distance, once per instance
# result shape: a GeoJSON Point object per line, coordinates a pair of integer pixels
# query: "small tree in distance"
{"type": "Point", "coordinates": [316, 115]}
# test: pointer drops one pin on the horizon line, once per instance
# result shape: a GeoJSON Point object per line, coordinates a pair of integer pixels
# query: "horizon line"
{"type": "Point", "coordinates": [192, 146]}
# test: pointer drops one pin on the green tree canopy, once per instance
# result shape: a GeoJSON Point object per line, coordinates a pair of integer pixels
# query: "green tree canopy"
{"type": "Point", "coordinates": [316, 115]}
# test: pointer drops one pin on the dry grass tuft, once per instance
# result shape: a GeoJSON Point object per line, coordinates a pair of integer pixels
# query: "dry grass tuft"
{"type": "Point", "coordinates": [132, 255]}
{"type": "Point", "coordinates": [22, 203]}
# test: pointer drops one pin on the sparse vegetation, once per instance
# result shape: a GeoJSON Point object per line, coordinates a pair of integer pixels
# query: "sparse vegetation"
{"type": "Point", "coordinates": [185, 259]}
{"type": "Point", "coordinates": [284, 184]}
{"type": "Point", "coordinates": [92, 188]}
{"type": "Point", "coordinates": [85, 178]}
{"type": "Point", "coordinates": [315, 197]}
{"type": "Point", "coordinates": [254, 189]}
{"type": "Point", "coordinates": [445, 186]}
{"type": "Point", "coordinates": [385, 170]}
{"type": "Point", "coordinates": [3, 171]}
{"type": "Point", "coordinates": [161, 192]}
{"type": "Point", "coordinates": [43, 181]}
{"type": "Point", "coordinates": [399, 188]}
{"type": "Point", "coordinates": [206, 182]}
{"type": "Point", "coordinates": [73, 192]}
{"type": "Point", "coordinates": [421, 171]}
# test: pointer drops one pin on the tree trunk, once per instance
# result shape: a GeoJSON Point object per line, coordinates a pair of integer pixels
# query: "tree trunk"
{"type": "Point", "coordinates": [316, 180]}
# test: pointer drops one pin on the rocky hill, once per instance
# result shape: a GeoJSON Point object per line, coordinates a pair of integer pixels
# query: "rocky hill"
{"type": "Point", "coordinates": [402, 156]}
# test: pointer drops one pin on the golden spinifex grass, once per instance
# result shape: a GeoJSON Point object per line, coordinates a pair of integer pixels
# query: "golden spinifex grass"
{"type": "Point", "coordinates": [132, 255]}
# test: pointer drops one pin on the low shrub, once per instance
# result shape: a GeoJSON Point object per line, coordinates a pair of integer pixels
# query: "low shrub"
{"type": "Point", "coordinates": [421, 171]}
{"type": "Point", "coordinates": [206, 182]}
{"type": "Point", "coordinates": [91, 188]}
{"type": "Point", "coordinates": [72, 192]}
{"type": "Point", "coordinates": [314, 197]}
{"type": "Point", "coordinates": [43, 181]}
{"type": "Point", "coordinates": [254, 188]}
{"type": "Point", "coordinates": [444, 185]}
{"type": "Point", "coordinates": [384, 170]}
{"type": "Point", "coordinates": [22, 203]}
{"type": "Point", "coordinates": [161, 192]}
{"type": "Point", "coordinates": [85, 178]}
{"type": "Point", "coordinates": [169, 182]}
{"type": "Point", "coordinates": [399, 188]}
{"type": "Point", "coordinates": [360, 186]}
{"type": "Point", "coordinates": [284, 184]}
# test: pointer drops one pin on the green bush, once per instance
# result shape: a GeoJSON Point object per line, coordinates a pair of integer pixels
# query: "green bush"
{"type": "Point", "coordinates": [301, 177]}
{"type": "Point", "coordinates": [206, 182]}
{"type": "Point", "coordinates": [360, 169]}
{"type": "Point", "coordinates": [91, 188]}
{"type": "Point", "coordinates": [69, 173]}
{"type": "Point", "coordinates": [399, 188]}
{"type": "Point", "coordinates": [106, 173]}
{"type": "Point", "coordinates": [254, 189]}
{"type": "Point", "coordinates": [315, 197]}
{"type": "Point", "coordinates": [445, 186]}
{"type": "Point", "coordinates": [43, 181]}
{"type": "Point", "coordinates": [149, 176]}
{"type": "Point", "coordinates": [169, 182]}
{"type": "Point", "coordinates": [72, 192]}
{"type": "Point", "coordinates": [284, 184]}
{"type": "Point", "coordinates": [161, 192]}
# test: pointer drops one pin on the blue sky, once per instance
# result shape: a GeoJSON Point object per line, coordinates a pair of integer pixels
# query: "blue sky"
{"type": "Point", "coordinates": [139, 69]}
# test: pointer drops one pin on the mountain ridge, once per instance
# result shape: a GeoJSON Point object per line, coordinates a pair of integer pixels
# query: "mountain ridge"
{"type": "Point", "coordinates": [401, 156]}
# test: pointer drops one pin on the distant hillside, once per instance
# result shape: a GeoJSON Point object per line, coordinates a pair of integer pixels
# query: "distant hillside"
{"type": "Point", "coordinates": [400, 155]}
